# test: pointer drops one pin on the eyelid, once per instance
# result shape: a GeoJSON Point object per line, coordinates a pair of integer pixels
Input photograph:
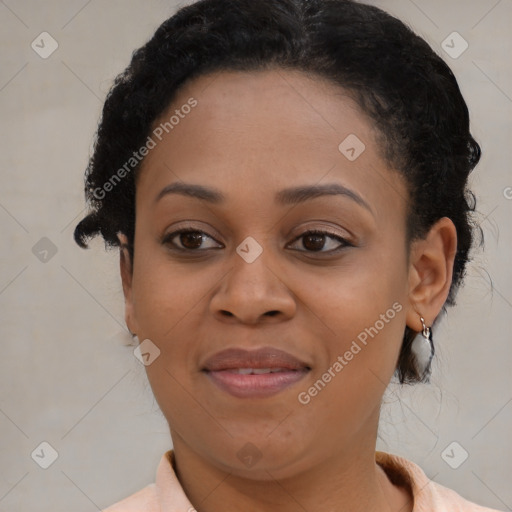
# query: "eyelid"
{"type": "Point", "coordinates": [326, 228]}
{"type": "Point", "coordinates": [327, 233]}
{"type": "Point", "coordinates": [189, 226]}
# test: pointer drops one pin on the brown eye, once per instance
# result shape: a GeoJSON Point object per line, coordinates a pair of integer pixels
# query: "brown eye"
{"type": "Point", "coordinates": [313, 242]}
{"type": "Point", "coordinates": [188, 240]}
{"type": "Point", "coordinates": [317, 241]}
{"type": "Point", "coordinates": [191, 240]}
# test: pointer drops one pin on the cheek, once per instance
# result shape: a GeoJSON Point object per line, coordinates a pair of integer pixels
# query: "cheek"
{"type": "Point", "coordinates": [362, 312]}
{"type": "Point", "coordinates": [163, 291]}
{"type": "Point", "coordinates": [165, 301]}
{"type": "Point", "coordinates": [171, 308]}
{"type": "Point", "coordinates": [366, 320]}
{"type": "Point", "coordinates": [354, 295]}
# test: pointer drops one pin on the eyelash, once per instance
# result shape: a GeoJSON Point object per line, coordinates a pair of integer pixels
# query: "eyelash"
{"type": "Point", "coordinates": [167, 240]}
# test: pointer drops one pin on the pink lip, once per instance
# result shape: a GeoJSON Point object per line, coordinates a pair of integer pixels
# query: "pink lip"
{"type": "Point", "coordinates": [223, 369]}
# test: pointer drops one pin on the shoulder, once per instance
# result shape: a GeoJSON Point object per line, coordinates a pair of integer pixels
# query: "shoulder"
{"type": "Point", "coordinates": [144, 500]}
{"type": "Point", "coordinates": [454, 502]}
{"type": "Point", "coordinates": [159, 495]}
{"type": "Point", "coordinates": [429, 496]}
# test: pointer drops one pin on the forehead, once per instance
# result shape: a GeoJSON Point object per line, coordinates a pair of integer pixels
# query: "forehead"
{"type": "Point", "coordinates": [260, 131]}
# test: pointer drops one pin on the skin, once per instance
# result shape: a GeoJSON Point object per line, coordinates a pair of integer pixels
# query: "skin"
{"type": "Point", "coordinates": [251, 135]}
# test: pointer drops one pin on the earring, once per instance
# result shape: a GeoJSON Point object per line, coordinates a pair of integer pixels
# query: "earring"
{"type": "Point", "coordinates": [127, 338]}
{"type": "Point", "coordinates": [422, 349]}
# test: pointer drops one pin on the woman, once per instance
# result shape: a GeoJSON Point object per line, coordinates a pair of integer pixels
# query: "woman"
{"type": "Point", "coordinates": [286, 181]}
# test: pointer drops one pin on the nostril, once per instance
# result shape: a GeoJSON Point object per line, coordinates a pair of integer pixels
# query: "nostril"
{"type": "Point", "coordinates": [272, 313]}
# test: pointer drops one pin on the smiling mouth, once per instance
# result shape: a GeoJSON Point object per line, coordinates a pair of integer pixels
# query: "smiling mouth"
{"type": "Point", "coordinates": [254, 374]}
{"type": "Point", "coordinates": [256, 371]}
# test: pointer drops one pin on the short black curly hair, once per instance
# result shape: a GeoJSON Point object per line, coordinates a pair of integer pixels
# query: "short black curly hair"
{"type": "Point", "coordinates": [408, 91]}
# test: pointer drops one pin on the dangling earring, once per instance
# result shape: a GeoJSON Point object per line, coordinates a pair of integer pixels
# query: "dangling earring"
{"type": "Point", "coordinates": [135, 339]}
{"type": "Point", "coordinates": [127, 338]}
{"type": "Point", "coordinates": [422, 349]}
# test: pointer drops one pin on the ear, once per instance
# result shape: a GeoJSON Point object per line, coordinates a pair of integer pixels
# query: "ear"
{"type": "Point", "coordinates": [126, 269]}
{"type": "Point", "coordinates": [430, 273]}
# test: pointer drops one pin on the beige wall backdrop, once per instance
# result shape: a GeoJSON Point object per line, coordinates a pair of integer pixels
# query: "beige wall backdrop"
{"type": "Point", "coordinates": [67, 380]}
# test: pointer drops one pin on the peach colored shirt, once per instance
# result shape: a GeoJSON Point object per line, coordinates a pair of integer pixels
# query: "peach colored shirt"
{"type": "Point", "coordinates": [167, 495]}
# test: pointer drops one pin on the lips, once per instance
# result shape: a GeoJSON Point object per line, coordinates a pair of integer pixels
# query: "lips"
{"type": "Point", "coordinates": [256, 373]}
{"type": "Point", "coordinates": [232, 359]}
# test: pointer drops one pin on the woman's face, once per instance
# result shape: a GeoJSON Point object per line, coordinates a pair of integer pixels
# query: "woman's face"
{"type": "Point", "coordinates": [325, 312]}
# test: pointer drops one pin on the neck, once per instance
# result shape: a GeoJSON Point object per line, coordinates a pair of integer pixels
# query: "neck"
{"type": "Point", "coordinates": [348, 481]}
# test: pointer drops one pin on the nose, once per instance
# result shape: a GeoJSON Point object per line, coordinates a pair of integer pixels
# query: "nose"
{"type": "Point", "coordinates": [252, 293]}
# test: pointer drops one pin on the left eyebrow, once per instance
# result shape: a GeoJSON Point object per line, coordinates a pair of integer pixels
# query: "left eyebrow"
{"type": "Point", "coordinates": [299, 194]}
{"type": "Point", "coordinates": [294, 195]}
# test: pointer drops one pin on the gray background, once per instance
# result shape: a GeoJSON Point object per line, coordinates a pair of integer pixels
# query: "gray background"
{"type": "Point", "coordinates": [65, 376]}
